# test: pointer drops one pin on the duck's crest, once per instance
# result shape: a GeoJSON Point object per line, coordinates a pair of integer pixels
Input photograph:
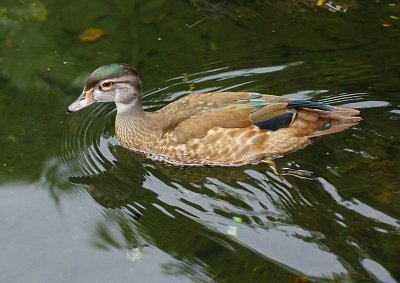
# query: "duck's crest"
{"type": "Point", "coordinates": [108, 72]}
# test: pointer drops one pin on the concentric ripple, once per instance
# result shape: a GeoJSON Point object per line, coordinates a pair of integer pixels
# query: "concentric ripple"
{"type": "Point", "coordinates": [86, 145]}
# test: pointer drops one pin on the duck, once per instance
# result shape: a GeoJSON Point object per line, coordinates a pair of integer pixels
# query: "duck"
{"type": "Point", "coordinates": [213, 128]}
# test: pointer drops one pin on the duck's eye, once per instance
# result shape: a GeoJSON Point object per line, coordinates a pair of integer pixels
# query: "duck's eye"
{"type": "Point", "coordinates": [106, 85]}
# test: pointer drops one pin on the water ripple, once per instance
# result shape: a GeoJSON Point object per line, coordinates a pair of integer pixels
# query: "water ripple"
{"type": "Point", "coordinates": [86, 145]}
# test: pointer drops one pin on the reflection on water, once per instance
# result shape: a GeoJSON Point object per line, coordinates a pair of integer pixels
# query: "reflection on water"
{"type": "Point", "coordinates": [210, 218]}
{"type": "Point", "coordinates": [215, 9]}
{"type": "Point", "coordinates": [333, 6]}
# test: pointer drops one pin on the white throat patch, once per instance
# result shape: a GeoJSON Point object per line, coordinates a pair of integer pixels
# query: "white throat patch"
{"type": "Point", "coordinates": [122, 107]}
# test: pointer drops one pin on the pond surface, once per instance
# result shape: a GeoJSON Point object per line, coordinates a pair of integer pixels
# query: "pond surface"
{"type": "Point", "coordinates": [76, 207]}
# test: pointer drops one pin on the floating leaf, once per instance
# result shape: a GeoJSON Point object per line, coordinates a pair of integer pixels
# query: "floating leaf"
{"type": "Point", "coordinates": [91, 35]}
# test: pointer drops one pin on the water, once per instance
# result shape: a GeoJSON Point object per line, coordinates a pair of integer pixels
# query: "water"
{"type": "Point", "coordinates": [75, 206]}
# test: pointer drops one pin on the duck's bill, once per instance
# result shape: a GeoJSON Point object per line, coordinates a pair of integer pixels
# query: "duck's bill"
{"type": "Point", "coordinates": [83, 101]}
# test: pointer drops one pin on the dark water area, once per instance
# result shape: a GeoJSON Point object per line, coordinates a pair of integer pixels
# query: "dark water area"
{"type": "Point", "coordinates": [77, 207]}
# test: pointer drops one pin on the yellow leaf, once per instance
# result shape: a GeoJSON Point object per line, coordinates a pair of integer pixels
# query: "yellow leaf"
{"type": "Point", "coordinates": [91, 35]}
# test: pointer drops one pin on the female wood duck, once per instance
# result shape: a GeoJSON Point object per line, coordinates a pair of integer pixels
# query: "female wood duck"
{"type": "Point", "coordinates": [214, 129]}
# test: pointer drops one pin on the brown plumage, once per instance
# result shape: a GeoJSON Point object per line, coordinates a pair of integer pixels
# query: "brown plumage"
{"type": "Point", "coordinates": [224, 129]}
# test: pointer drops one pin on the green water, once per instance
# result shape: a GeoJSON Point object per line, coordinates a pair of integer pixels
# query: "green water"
{"type": "Point", "coordinates": [76, 207]}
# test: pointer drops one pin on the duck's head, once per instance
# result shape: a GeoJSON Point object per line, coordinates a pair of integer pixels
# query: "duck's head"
{"type": "Point", "coordinates": [119, 83]}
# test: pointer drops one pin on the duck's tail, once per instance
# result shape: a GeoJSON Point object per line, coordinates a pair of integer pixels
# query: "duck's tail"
{"type": "Point", "coordinates": [331, 119]}
{"type": "Point", "coordinates": [337, 120]}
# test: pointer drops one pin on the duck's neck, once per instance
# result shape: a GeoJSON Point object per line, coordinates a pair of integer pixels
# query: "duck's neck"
{"type": "Point", "coordinates": [134, 108]}
{"type": "Point", "coordinates": [133, 126]}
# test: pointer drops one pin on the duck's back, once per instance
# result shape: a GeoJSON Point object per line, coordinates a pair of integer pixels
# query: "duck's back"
{"type": "Point", "coordinates": [235, 128]}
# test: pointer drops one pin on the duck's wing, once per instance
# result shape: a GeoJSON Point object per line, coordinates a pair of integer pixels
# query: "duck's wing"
{"type": "Point", "coordinates": [194, 116]}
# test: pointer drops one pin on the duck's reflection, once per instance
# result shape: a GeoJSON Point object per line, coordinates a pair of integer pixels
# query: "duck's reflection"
{"type": "Point", "coordinates": [205, 216]}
